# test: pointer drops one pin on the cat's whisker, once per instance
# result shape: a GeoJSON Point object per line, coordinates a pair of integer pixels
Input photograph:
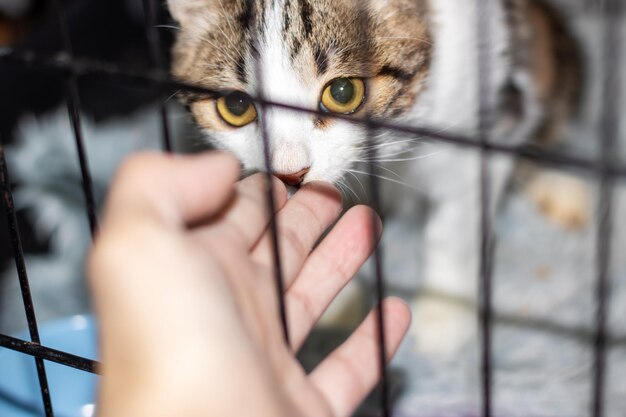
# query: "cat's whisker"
{"type": "Point", "coordinates": [417, 152]}
{"type": "Point", "coordinates": [225, 16]}
{"type": "Point", "coordinates": [389, 170]}
{"type": "Point", "coordinates": [342, 187]}
{"type": "Point", "coordinates": [398, 152]}
{"type": "Point", "coordinates": [232, 30]}
{"type": "Point", "coordinates": [345, 187]}
{"type": "Point", "coordinates": [384, 178]}
{"type": "Point", "coordinates": [172, 96]}
{"type": "Point", "coordinates": [222, 49]}
{"type": "Point", "coordinates": [230, 41]}
{"type": "Point", "coordinates": [388, 144]}
{"type": "Point", "coordinates": [360, 183]}
{"type": "Point", "coordinates": [381, 154]}
{"type": "Point", "coordinates": [419, 140]}
{"type": "Point", "coordinates": [414, 158]}
{"type": "Point", "coordinates": [351, 47]}
{"type": "Point", "coordinates": [169, 27]}
{"type": "Point", "coordinates": [394, 148]}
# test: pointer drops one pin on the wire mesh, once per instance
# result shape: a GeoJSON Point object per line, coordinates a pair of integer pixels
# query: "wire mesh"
{"type": "Point", "coordinates": [605, 168]}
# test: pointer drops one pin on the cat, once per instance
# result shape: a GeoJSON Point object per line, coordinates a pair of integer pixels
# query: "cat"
{"type": "Point", "coordinates": [411, 62]}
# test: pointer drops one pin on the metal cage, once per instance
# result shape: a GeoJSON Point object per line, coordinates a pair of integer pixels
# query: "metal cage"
{"type": "Point", "coordinates": [605, 168]}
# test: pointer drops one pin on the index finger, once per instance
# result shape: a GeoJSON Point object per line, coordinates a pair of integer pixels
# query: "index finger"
{"type": "Point", "coordinates": [300, 224]}
{"type": "Point", "coordinates": [173, 190]}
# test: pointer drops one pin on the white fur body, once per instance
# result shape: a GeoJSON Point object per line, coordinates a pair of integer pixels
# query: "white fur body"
{"type": "Point", "coordinates": [449, 179]}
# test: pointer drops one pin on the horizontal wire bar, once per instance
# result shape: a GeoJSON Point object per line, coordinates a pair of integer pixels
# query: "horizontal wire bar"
{"type": "Point", "coordinates": [53, 355]}
{"type": "Point", "coordinates": [85, 67]}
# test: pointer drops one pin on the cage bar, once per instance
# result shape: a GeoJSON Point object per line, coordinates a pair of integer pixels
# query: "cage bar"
{"type": "Point", "coordinates": [271, 203]}
{"type": "Point", "coordinates": [374, 187]}
{"type": "Point", "coordinates": [18, 255]}
{"type": "Point", "coordinates": [156, 56]}
{"type": "Point", "coordinates": [485, 313]}
{"type": "Point", "coordinates": [375, 203]}
{"type": "Point", "coordinates": [53, 355]}
{"type": "Point", "coordinates": [273, 227]}
{"type": "Point", "coordinates": [83, 67]}
{"type": "Point", "coordinates": [73, 108]}
{"type": "Point", "coordinates": [609, 131]}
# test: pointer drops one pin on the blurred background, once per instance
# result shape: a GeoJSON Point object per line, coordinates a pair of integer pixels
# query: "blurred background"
{"type": "Point", "coordinates": [111, 31]}
{"type": "Point", "coordinates": [544, 272]}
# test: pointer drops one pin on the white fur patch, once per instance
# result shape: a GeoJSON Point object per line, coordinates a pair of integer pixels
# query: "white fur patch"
{"type": "Point", "coordinates": [295, 142]}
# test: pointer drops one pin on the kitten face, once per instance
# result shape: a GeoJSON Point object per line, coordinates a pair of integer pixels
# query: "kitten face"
{"type": "Point", "coordinates": [312, 54]}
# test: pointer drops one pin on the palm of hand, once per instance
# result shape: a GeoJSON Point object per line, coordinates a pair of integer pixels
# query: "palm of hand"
{"type": "Point", "coordinates": [221, 342]}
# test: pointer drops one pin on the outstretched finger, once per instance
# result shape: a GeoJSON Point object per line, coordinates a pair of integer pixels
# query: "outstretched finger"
{"type": "Point", "coordinates": [247, 215]}
{"type": "Point", "coordinates": [348, 374]}
{"type": "Point", "coordinates": [300, 224]}
{"type": "Point", "coordinates": [329, 268]}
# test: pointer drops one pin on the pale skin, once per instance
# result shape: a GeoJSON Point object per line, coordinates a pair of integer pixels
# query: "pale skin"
{"type": "Point", "coordinates": [183, 284]}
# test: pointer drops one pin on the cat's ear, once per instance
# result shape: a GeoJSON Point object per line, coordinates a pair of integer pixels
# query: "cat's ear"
{"type": "Point", "coordinates": [190, 12]}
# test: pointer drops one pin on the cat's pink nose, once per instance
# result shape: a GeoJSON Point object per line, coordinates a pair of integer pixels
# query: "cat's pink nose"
{"type": "Point", "coordinates": [293, 179]}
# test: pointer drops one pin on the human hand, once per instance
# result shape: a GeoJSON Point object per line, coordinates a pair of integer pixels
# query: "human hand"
{"type": "Point", "coordinates": [183, 283]}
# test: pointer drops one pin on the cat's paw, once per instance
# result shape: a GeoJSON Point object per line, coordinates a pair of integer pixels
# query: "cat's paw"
{"type": "Point", "coordinates": [562, 198]}
{"type": "Point", "coordinates": [441, 328]}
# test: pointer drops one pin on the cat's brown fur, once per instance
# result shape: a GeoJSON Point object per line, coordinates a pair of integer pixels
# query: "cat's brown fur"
{"type": "Point", "coordinates": [325, 39]}
{"type": "Point", "coordinates": [215, 49]}
{"type": "Point", "coordinates": [551, 54]}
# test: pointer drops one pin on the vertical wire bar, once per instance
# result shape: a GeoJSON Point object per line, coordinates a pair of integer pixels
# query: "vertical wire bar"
{"type": "Point", "coordinates": [156, 56]}
{"type": "Point", "coordinates": [609, 127]}
{"type": "Point", "coordinates": [486, 242]}
{"type": "Point", "coordinates": [379, 275]}
{"type": "Point", "coordinates": [18, 254]}
{"type": "Point", "coordinates": [73, 108]}
{"type": "Point", "coordinates": [271, 203]}
{"type": "Point", "coordinates": [374, 185]}
{"type": "Point", "coordinates": [271, 207]}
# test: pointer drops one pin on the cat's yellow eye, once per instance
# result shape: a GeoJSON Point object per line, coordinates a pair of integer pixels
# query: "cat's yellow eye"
{"type": "Point", "coordinates": [343, 96]}
{"type": "Point", "coordinates": [236, 109]}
